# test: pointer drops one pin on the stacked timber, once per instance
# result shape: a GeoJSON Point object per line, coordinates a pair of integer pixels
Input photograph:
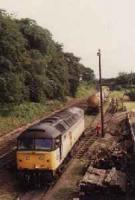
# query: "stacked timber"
{"type": "Point", "coordinates": [103, 181]}
{"type": "Point", "coordinates": [115, 180]}
{"type": "Point", "coordinates": [93, 180]}
{"type": "Point", "coordinates": [116, 156]}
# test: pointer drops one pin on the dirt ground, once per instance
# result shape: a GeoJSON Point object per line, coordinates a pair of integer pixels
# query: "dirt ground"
{"type": "Point", "coordinates": [67, 186]}
{"type": "Point", "coordinates": [10, 187]}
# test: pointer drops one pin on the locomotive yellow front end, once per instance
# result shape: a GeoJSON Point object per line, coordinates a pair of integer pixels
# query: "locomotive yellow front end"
{"type": "Point", "coordinates": [43, 147]}
{"type": "Point", "coordinates": [38, 152]}
{"type": "Point", "coordinates": [41, 160]}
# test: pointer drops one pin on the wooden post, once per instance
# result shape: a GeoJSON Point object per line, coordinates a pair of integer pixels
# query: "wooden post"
{"type": "Point", "coordinates": [101, 93]}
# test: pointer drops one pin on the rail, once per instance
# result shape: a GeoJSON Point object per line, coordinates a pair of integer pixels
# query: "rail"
{"type": "Point", "coordinates": [129, 115]}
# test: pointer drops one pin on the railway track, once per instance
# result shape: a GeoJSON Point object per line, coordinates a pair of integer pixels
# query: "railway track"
{"type": "Point", "coordinates": [89, 138]}
{"type": "Point", "coordinates": [8, 141]}
{"type": "Point", "coordinates": [6, 160]}
{"type": "Point", "coordinates": [79, 151]}
{"type": "Point", "coordinates": [7, 154]}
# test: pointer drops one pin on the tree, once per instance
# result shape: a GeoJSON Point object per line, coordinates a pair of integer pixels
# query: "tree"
{"type": "Point", "coordinates": [73, 72]}
{"type": "Point", "coordinates": [87, 74]}
{"type": "Point", "coordinates": [33, 67]}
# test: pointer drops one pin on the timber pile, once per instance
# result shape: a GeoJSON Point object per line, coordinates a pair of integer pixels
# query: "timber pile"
{"type": "Point", "coordinates": [116, 180]}
{"type": "Point", "coordinates": [102, 159]}
{"type": "Point", "coordinates": [103, 181]}
{"type": "Point", "coordinates": [116, 156]}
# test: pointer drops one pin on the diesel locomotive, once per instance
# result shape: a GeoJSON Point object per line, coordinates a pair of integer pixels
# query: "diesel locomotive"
{"type": "Point", "coordinates": [43, 147]}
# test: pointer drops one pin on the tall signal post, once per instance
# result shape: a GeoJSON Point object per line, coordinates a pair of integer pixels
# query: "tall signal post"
{"type": "Point", "coordinates": [101, 93]}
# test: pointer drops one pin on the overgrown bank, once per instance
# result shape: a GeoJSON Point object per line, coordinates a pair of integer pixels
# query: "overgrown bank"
{"type": "Point", "coordinates": [36, 75]}
{"type": "Point", "coordinates": [13, 116]}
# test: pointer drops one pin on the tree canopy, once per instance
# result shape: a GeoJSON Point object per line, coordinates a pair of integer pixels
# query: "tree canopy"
{"type": "Point", "coordinates": [33, 67]}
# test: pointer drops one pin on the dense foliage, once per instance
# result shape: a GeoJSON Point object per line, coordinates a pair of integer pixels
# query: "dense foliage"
{"type": "Point", "coordinates": [33, 67]}
{"type": "Point", "coordinates": [123, 80]}
{"type": "Point", "coordinates": [131, 94]}
{"type": "Point", "coordinates": [126, 80]}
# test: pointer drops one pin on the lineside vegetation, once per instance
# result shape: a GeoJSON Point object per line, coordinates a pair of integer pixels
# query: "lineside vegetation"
{"type": "Point", "coordinates": [34, 67]}
{"type": "Point", "coordinates": [36, 75]}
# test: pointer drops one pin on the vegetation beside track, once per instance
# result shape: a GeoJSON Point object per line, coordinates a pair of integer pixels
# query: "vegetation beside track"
{"type": "Point", "coordinates": [34, 67]}
{"type": "Point", "coordinates": [130, 105]}
{"type": "Point", "coordinates": [85, 90]}
{"type": "Point", "coordinates": [13, 116]}
{"type": "Point", "coordinates": [120, 94]}
{"type": "Point", "coordinates": [117, 93]}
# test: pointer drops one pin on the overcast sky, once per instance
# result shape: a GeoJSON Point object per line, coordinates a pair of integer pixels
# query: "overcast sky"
{"type": "Point", "coordinates": [84, 26]}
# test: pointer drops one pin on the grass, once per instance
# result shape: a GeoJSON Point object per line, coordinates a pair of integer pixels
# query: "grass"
{"type": "Point", "coordinates": [117, 94]}
{"type": "Point", "coordinates": [12, 116]}
{"type": "Point", "coordinates": [130, 105]}
{"type": "Point", "coordinates": [85, 90]}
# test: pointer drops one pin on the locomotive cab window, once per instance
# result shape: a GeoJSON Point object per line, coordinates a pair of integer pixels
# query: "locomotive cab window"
{"type": "Point", "coordinates": [35, 144]}
{"type": "Point", "coordinates": [43, 144]}
{"type": "Point", "coordinates": [26, 144]}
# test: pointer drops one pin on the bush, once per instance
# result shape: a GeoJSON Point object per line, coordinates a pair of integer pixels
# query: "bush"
{"type": "Point", "coordinates": [131, 94]}
{"type": "Point", "coordinates": [84, 90]}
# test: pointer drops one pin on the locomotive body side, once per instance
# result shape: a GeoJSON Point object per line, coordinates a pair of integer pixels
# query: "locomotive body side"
{"type": "Point", "coordinates": [71, 137]}
{"type": "Point", "coordinates": [43, 148]}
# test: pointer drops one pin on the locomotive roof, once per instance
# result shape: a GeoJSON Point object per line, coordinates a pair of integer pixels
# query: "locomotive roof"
{"type": "Point", "coordinates": [40, 131]}
{"type": "Point", "coordinates": [53, 126]}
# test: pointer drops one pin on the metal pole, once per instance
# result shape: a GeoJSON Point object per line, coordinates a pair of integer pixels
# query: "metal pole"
{"type": "Point", "coordinates": [101, 93]}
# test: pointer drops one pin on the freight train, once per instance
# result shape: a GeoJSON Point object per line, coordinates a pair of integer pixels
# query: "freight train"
{"type": "Point", "coordinates": [93, 101]}
{"type": "Point", "coordinates": [42, 148]}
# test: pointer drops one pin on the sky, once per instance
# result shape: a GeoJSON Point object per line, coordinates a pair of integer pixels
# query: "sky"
{"type": "Point", "coordinates": [84, 26]}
